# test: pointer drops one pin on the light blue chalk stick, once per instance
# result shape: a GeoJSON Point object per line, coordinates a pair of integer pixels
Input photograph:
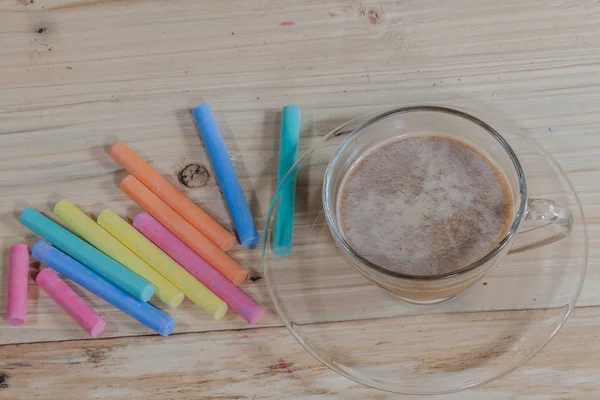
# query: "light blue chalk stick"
{"type": "Point", "coordinates": [88, 279]}
{"type": "Point", "coordinates": [288, 155]}
{"type": "Point", "coordinates": [87, 254]}
{"type": "Point", "coordinates": [228, 180]}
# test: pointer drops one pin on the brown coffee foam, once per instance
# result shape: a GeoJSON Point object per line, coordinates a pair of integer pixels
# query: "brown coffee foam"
{"type": "Point", "coordinates": [424, 205]}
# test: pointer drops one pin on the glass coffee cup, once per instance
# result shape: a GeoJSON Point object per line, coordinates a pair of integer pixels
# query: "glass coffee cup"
{"type": "Point", "coordinates": [353, 317]}
{"type": "Point", "coordinates": [533, 221]}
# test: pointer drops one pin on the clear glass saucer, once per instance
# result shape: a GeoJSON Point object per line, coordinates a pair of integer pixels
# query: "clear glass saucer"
{"type": "Point", "coordinates": [360, 331]}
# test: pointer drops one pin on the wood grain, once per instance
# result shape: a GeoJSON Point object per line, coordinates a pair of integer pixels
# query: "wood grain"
{"type": "Point", "coordinates": [268, 363]}
{"type": "Point", "coordinates": [76, 75]}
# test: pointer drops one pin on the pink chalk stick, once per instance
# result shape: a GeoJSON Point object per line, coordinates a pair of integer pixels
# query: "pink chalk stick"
{"type": "Point", "coordinates": [18, 276]}
{"type": "Point", "coordinates": [196, 266]}
{"type": "Point", "coordinates": [70, 301]}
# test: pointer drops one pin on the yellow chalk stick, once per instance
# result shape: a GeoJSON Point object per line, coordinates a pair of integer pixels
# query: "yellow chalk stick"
{"type": "Point", "coordinates": [150, 253]}
{"type": "Point", "coordinates": [95, 235]}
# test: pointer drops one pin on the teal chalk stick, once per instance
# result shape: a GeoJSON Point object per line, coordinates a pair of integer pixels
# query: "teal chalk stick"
{"type": "Point", "coordinates": [87, 255]}
{"type": "Point", "coordinates": [288, 155]}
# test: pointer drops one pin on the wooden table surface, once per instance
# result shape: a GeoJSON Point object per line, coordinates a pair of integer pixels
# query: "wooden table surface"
{"type": "Point", "coordinates": [76, 75]}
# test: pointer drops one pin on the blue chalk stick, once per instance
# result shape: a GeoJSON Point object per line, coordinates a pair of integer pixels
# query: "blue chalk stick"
{"type": "Point", "coordinates": [230, 185]}
{"type": "Point", "coordinates": [288, 155]}
{"type": "Point", "coordinates": [87, 254]}
{"type": "Point", "coordinates": [88, 279]}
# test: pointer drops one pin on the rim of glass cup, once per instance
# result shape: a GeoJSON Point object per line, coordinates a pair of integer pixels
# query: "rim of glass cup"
{"type": "Point", "coordinates": [517, 219]}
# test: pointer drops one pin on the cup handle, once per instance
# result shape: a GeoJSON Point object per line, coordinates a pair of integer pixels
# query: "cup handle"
{"type": "Point", "coordinates": [545, 222]}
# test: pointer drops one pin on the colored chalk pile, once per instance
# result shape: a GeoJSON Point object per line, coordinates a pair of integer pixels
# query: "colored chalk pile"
{"type": "Point", "coordinates": [95, 235]}
{"type": "Point", "coordinates": [88, 279]}
{"type": "Point", "coordinates": [172, 250]}
{"type": "Point", "coordinates": [171, 196]}
{"type": "Point", "coordinates": [198, 267]}
{"type": "Point", "coordinates": [147, 200]}
{"type": "Point", "coordinates": [192, 288]}
{"type": "Point", "coordinates": [87, 254]}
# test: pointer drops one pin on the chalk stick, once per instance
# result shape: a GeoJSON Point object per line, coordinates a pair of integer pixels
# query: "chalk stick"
{"type": "Point", "coordinates": [87, 254]}
{"type": "Point", "coordinates": [70, 301]}
{"type": "Point", "coordinates": [88, 279]}
{"type": "Point", "coordinates": [95, 235]}
{"type": "Point", "coordinates": [191, 261]}
{"type": "Point", "coordinates": [173, 197]}
{"type": "Point", "coordinates": [145, 249]}
{"type": "Point", "coordinates": [18, 277]}
{"type": "Point", "coordinates": [226, 176]}
{"type": "Point", "coordinates": [283, 227]}
{"type": "Point", "coordinates": [183, 229]}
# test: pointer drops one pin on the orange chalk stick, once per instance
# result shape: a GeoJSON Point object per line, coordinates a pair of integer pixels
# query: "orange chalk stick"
{"type": "Point", "coordinates": [181, 228]}
{"type": "Point", "coordinates": [173, 197]}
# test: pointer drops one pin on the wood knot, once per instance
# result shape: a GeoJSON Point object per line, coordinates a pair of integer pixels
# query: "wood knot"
{"type": "Point", "coordinates": [375, 16]}
{"type": "Point", "coordinates": [96, 356]}
{"type": "Point", "coordinates": [3, 380]}
{"type": "Point", "coordinates": [193, 176]}
{"type": "Point", "coordinates": [255, 276]}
